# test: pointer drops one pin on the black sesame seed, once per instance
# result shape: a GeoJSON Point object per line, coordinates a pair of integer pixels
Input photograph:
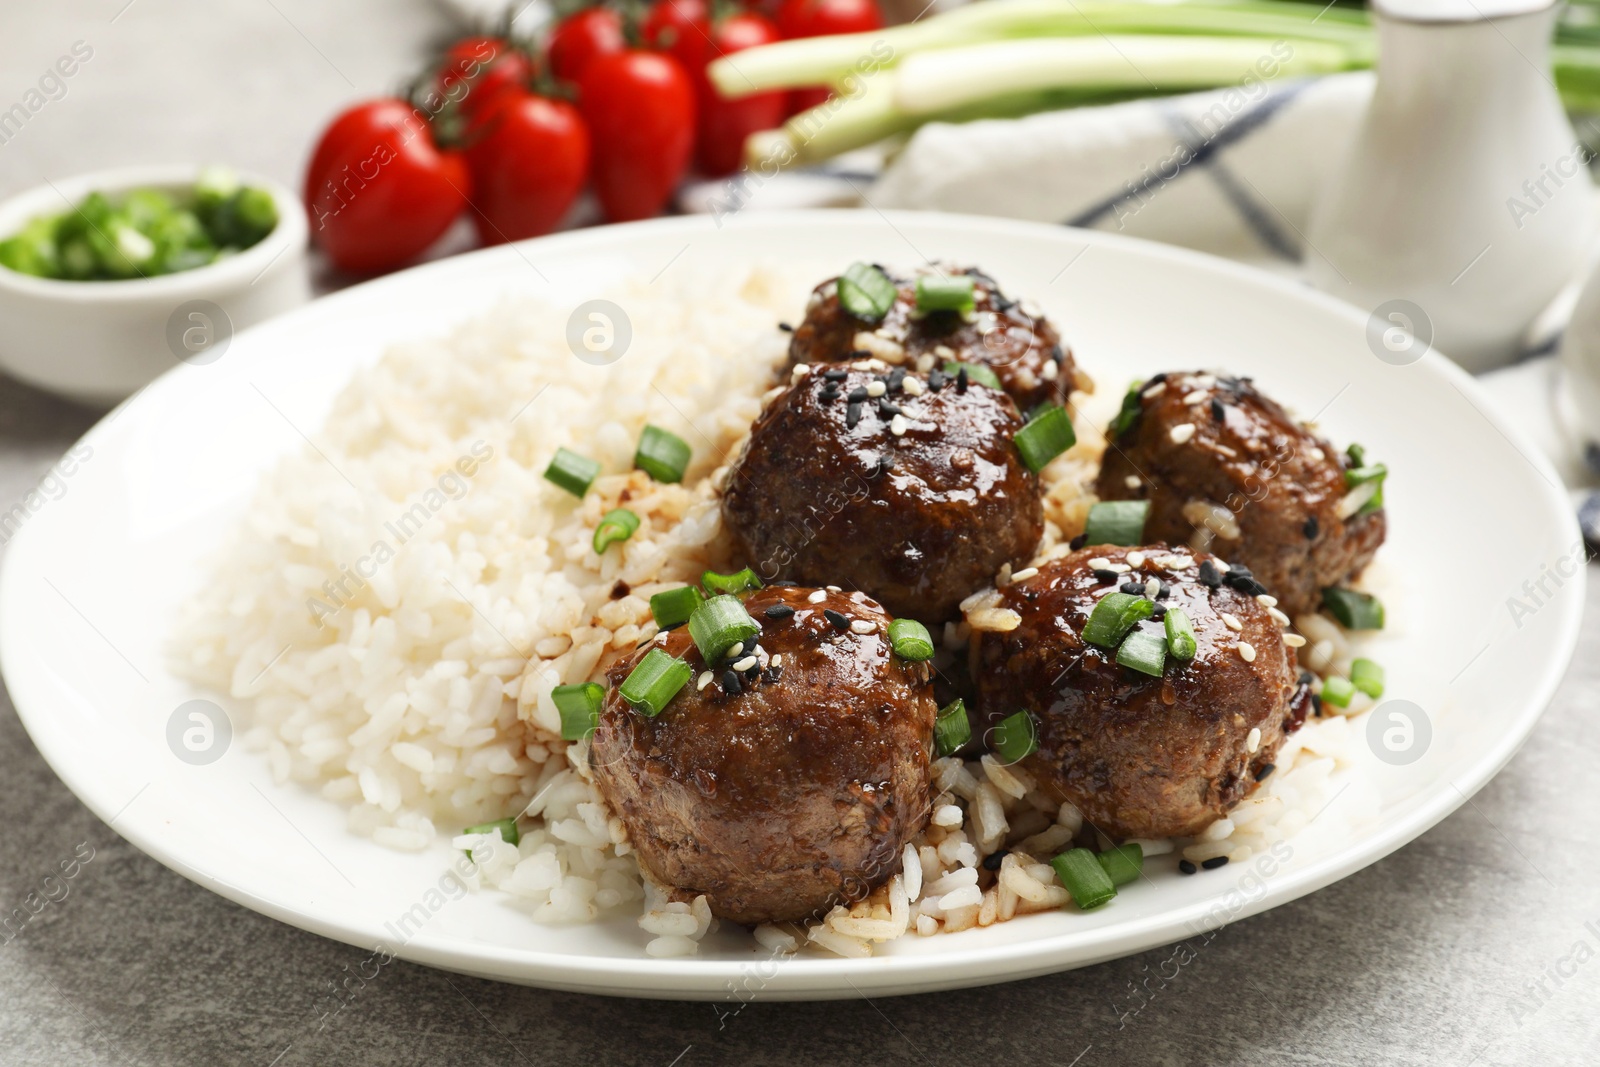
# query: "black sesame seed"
{"type": "Point", "coordinates": [936, 379]}
{"type": "Point", "coordinates": [857, 395]}
{"type": "Point", "coordinates": [852, 415]}
{"type": "Point", "coordinates": [1264, 770]}
{"type": "Point", "coordinates": [836, 374]}
{"type": "Point", "coordinates": [785, 327]}
{"type": "Point", "coordinates": [961, 380]}
{"type": "Point", "coordinates": [1214, 862]}
{"type": "Point", "coordinates": [1105, 576]}
{"type": "Point", "coordinates": [836, 620]}
{"type": "Point", "coordinates": [731, 683]}
{"type": "Point", "coordinates": [779, 611]}
{"type": "Point", "coordinates": [829, 393]}
{"type": "Point", "coordinates": [886, 463]}
{"type": "Point", "coordinates": [1164, 592]}
{"type": "Point", "coordinates": [1218, 412]}
{"type": "Point", "coordinates": [1136, 588]}
{"type": "Point", "coordinates": [1158, 612]}
{"type": "Point", "coordinates": [1210, 577]}
{"type": "Point", "coordinates": [886, 409]}
{"type": "Point", "coordinates": [1078, 542]}
{"type": "Point", "coordinates": [771, 674]}
{"type": "Point", "coordinates": [1186, 867]}
{"type": "Point", "coordinates": [1316, 706]}
{"type": "Point", "coordinates": [860, 353]}
{"type": "Point", "coordinates": [992, 861]}
{"type": "Point", "coordinates": [1311, 528]}
{"type": "Point", "coordinates": [1058, 354]}
{"type": "Point", "coordinates": [896, 378]}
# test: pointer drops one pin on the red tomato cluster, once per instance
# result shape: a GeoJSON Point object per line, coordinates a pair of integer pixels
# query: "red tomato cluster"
{"type": "Point", "coordinates": [492, 130]}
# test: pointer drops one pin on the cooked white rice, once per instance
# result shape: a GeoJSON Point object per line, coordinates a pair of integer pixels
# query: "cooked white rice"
{"type": "Point", "coordinates": [401, 599]}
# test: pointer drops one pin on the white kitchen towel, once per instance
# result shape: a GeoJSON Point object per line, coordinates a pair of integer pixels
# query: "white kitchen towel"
{"type": "Point", "coordinates": [1231, 171]}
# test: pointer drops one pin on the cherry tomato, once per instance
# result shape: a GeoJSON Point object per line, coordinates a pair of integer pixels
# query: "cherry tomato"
{"type": "Point", "coordinates": [819, 18]}
{"type": "Point", "coordinates": [724, 124]}
{"type": "Point", "coordinates": [583, 37]}
{"type": "Point", "coordinates": [379, 190]}
{"type": "Point", "coordinates": [476, 71]}
{"type": "Point", "coordinates": [682, 29]}
{"type": "Point", "coordinates": [528, 159]}
{"type": "Point", "coordinates": [640, 110]}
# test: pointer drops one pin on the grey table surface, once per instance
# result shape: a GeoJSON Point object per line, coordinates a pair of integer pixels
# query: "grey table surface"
{"type": "Point", "coordinates": [1474, 944]}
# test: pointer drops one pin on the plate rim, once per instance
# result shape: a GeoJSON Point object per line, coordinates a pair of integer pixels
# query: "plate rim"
{"type": "Point", "coordinates": [826, 977]}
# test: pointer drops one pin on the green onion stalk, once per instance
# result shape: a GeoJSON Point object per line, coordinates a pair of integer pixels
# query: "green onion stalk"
{"type": "Point", "coordinates": [1007, 58]}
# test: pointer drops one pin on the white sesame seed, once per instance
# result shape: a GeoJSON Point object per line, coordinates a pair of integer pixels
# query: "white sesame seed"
{"type": "Point", "coordinates": [863, 626]}
{"type": "Point", "coordinates": [1135, 559]}
{"type": "Point", "coordinates": [1132, 481]}
{"type": "Point", "coordinates": [831, 588]}
{"type": "Point", "coordinates": [1247, 652]}
{"type": "Point", "coordinates": [1152, 588]}
{"type": "Point", "coordinates": [1294, 640]}
{"type": "Point", "coordinates": [898, 425]}
{"type": "Point", "coordinates": [1118, 568]}
{"type": "Point", "coordinates": [800, 370]}
{"type": "Point", "coordinates": [1156, 389]}
{"type": "Point", "coordinates": [944, 351]}
{"type": "Point", "coordinates": [1316, 454]}
{"type": "Point", "coordinates": [745, 664]}
{"type": "Point", "coordinates": [1050, 372]}
{"type": "Point", "coordinates": [1204, 381]}
{"type": "Point", "coordinates": [777, 661]}
{"type": "Point", "coordinates": [1026, 572]}
{"type": "Point", "coordinates": [876, 388]}
{"type": "Point", "coordinates": [1222, 564]}
{"type": "Point", "coordinates": [1253, 741]}
{"type": "Point", "coordinates": [1267, 600]}
{"type": "Point", "coordinates": [1174, 563]}
{"type": "Point", "coordinates": [1232, 623]}
{"type": "Point", "coordinates": [863, 364]}
{"type": "Point", "coordinates": [1181, 433]}
{"type": "Point", "coordinates": [703, 681]}
{"type": "Point", "coordinates": [912, 386]}
{"type": "Point", "coordinates": [1280, 617]}
{"type": "Point", "coordinates": [924, 363]}
{"type": "Point", "coordinates": [817, 597]}
{"type": "Point", "coordinates": [735, 650]}
{"type": "Point", "coordinates": [1099, 563]}
{"type": "Point", "coordinates": [1199, 396]}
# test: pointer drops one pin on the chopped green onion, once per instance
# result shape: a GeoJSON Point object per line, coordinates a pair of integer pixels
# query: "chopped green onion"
{"type": "Point", "coordinates": [1180, 634]}
{"type": "Point", "coordinates": [1368, 677]}
{"type": "Point", "coordinates": [651, 685]}
{"type": "Point", "coordinates": [673, 607]}
{"type": "Point", "coordinates": [866, 292]}
{"type": "Point", "coordinates": [1123, 863]}
{"type": "Point", "coordinates": [1046, 436]}
{"type": "Point", "coordinates": [1128, 415]}
{"type": "Point", "coordinates": [1016, 737]}
{"type": "Point", "coordinates": [1116, 522]}
{"type": "Point", "coordinates": [662, 454]}
{"type": "Point", "coordinates": [1337, 691]}
{"type": "Point", "coordinates": [1084, 878]}
{"type": "Point", "coordinates": [1362, 475]}
{"type": "Point", "coordinates": [976, 372]}
{"type": "Point", "coordinates": [910, 639]}
{"type": "Point", "coordinates": [719, 624]}
{"type": "Point", "coordinates": [507, 827]}
{"type": "Point", "coordinates": [952, 293]}
{"type": "Point", "coordinates": [579, 706]}
{"type": "Point", "coordinates": [1357, 455]}
{"type": "Point", "coordinates": [1114, 616]}
{"type": "Point", "coordinates": [735, 583]}
{"type": "Point", "coordinates": [951, 729]}
{"type": "Point", "coordinates": [1145, 653]}
{"type": "Point", "coordinates": [618, 524]}
{"type": "Point", "coordinates": [572, 472]}
{"type": "Point", "coordinates": [1356, 611]}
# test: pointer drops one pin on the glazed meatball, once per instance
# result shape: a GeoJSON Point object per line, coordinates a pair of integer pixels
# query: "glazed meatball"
{"type": "Point", "coordinates": [1226, 468]}
{"type": "Point", "coordinates": [1022, 349]}
{"type": "Point", "coordinates": [909, 488]}
{"type": "Point", "coordinates": [1143, 756]}
{"type": "Point", "coordinates": [784, 788]}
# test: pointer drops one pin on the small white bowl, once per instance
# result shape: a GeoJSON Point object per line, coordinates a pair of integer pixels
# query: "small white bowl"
{"type": "Point", "coordinates": [98, 342]}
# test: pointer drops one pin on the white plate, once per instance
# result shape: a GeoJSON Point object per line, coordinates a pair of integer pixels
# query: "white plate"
{"type": "Point", "coordinates": [91, 582]}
